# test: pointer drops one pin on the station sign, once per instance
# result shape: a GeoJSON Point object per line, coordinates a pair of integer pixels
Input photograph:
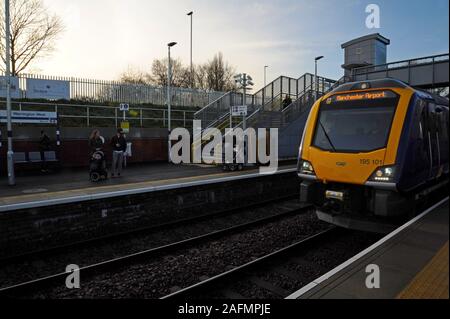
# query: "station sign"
{"type": "Point", "coordinates": [124, 107]}
{"type": "Point", "coordinates": [239, 110]}
{"type": "Point", "coordinates": [48, 89]}
{"type": "Point", "coordinates": [125, 126]}
{"type": "Point", "coordinates": [30, 117]}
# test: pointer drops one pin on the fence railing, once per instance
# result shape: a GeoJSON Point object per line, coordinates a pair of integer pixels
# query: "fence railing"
{"type": "Point", "coordinates": [401, 64]}
{"type": "Point", "coordinates": [72, 115]}
{"type": "Point", "coordinates": [273, 93]}
{"type": "Point", "coordinates": [113, 91]}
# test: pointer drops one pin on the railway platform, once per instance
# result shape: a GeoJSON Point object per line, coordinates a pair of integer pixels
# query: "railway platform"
{"type": "Point", "coordinates": [74, 185]}
{"type": "Point", "coordinates": [410, 263]}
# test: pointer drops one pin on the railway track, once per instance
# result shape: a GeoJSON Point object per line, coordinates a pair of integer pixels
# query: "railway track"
{"type": "Point", "coordinates": [269, 276]}
{"type": "Point", "coordinates": [132, 233]}
{"type": "Point", "coordinates": [222, 284]}
{"type": "Point", "coordinates": [31, 286]}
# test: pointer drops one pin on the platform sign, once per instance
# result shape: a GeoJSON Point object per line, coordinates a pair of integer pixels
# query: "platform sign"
{"type": "Point", "coordinates": [48, 89]}
{"type": "Point", "coordinates": [124, 107]}
{"type": "Point", "coordinates": [239, 110]}
{"type": "Point", "coordinates": [30, 117]}
{"type": "Point", "coordinates": [125, 126]}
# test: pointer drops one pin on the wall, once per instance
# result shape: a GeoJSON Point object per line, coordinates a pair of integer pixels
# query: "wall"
{"type": "Point", "coordinates": [148, 145]}
{"type": "Point", "coordinates": [37, 228]}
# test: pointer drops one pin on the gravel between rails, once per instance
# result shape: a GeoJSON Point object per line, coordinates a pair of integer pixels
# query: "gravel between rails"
{"type": "Point", "coordinates": [292, 272]}
{"type": "Point", "coordinates": [165, 274]}
{"type": "Point", "coordinates": [37, 268]}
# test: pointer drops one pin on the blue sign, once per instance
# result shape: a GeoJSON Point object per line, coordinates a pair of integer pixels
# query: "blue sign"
{"type": "Point", "coordinates": [30, 117]}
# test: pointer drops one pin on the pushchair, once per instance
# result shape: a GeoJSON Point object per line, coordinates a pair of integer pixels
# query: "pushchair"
{"type": "Point", "coordinates": [97, 167]}
{"type": "Point", "coordinates": [233, 165]}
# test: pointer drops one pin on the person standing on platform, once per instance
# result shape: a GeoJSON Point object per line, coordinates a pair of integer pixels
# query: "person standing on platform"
{"type": "Point", "coordinates": [119, 146]}
{"type": "Point", "coordinates": [96, 141]}
{"type": "Point", "coordinates": [44, 146]}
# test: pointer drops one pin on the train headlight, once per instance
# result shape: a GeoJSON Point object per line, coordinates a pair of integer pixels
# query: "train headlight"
{"type": "Point", "coordinates": [384, 174]}
{"type": "Point", "coordinates": [305, 167]}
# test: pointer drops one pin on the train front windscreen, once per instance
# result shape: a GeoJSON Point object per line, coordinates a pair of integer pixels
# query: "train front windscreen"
{"type": "Point", "coordinates": [354, 123]}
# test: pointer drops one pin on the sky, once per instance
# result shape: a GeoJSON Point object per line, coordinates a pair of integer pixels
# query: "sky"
{"type": "Point", "coordinates": [103, 38]}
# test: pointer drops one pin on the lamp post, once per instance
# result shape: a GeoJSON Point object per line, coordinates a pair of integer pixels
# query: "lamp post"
{"type": "Point", "coordinates": [265, 77]}
{"type": "Point", "coordinates": [246, 82]}
{"type": "Point", "coordinates": [169, 96]}
{"type": "Point", "coordinates": [191, 14]}
{"type": "Point", "coordinates": [10, 154]}
{"type": "Point", "coordinates": [316, 82]}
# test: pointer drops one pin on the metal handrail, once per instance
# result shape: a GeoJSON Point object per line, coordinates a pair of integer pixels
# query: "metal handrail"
{"type": "Point", "coordinates": [88, 116]}
{"type": "Point", "coordinates": [409, 64]}
{"type": "Point", "coordinates": [111, 107]}
{"type": "Point", "coordinates": [213, 102]}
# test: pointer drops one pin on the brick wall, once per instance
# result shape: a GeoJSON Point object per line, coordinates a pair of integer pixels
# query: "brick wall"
{"type": "Point", "coordinates": [30, 229]}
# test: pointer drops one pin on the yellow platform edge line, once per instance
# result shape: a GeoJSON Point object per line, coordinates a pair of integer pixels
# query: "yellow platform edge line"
{"type": "Point", "coordinates": [432, 281]}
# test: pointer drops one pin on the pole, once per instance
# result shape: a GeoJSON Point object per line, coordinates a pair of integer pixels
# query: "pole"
{"type": "Point", "coordinates": [265, 78]}
{"type": "Point", "coordinates": [169, 79]}
{"type": "Point", "coordinates": [192, 65]}
{"type": "Point", "coordinates": [244, 122]}
{"type": "Point", "coordinates": [10, 154]}
{"type": "Point", "coordinates": [315, 81]}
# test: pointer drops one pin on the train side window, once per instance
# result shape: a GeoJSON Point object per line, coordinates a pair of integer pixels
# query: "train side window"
{"type": "Point", "coordinates": [432, 118]}
{"type": "Point", "coordinates": [423, 124]}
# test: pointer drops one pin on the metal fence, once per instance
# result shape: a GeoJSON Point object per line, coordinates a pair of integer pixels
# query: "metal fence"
{"type": "Point", "coordinates": [425, 72]}
{"type": "Point", "coordinates": [271, 96]}
{"type": "Point", "coordinates": [72, 115]}
{"type": "Point", "coordinates": [113, 91]}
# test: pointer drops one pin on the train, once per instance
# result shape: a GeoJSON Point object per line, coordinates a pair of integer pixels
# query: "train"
{"type": "Point", "coordinates": [372, 150]}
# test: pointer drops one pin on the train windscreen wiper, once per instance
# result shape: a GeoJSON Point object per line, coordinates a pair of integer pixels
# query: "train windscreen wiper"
{"type": "Point", "coordinates": [326, 135]}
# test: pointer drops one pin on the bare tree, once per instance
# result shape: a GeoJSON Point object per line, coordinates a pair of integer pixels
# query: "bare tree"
{"type": "Point", "coordinates": [219, 74]}
{"type": "Point", "coordinates": [135, 76]}
{"type": "Point", "coordinates": [33, 33]}
{"type": "Point", "coordinates": [180, 73]}
{"type": "Point", "coordinates": [200, 77]}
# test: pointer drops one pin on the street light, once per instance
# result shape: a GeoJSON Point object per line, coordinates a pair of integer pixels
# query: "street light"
{"type": "Point", "coordinates": [169, 96]}
{"type": "Point", "coordinates": [265, 78]}
{"type": "Point", "coordinates": [191, 14]}
{"type": "Point", "coordinates": [10, 154]}
{"type": "Point", "coordinates": [246, 82]}
{"type": "Point", "coordinates": [316, 83]}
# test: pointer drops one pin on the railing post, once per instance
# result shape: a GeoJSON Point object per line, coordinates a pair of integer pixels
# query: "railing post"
{"type": "Point", "coordinates": [164, 118]}
{"type": "Point", "coordinates": [115, 117]}
{"type": "Point", "coordinates": [87, 116]}
{"type": "Point", "coordinates": [409, 71]}
{"type": "Point", "coordinates": [184, 119]}
{"type": "Point", "coordinates": [432, 65]}
{"type": "Point", "coordinates": [142, 120]}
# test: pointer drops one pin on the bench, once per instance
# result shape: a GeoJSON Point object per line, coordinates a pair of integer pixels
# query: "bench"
{"type": "Point", "coordinates": [35, 158]}
{"type": "Point", "coordinates": [20, 158]}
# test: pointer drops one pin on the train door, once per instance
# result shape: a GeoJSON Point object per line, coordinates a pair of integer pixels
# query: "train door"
{"type": "Point", "coordinates": [433, 136]}
{"type": "Point", "coordinates": [442, 138]}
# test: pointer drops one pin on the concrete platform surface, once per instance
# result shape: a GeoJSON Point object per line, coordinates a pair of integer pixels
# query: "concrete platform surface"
{"type": "Point", "coordinates": [412, 263]}
{"type": "Point", "coordinates": [70, 186]}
